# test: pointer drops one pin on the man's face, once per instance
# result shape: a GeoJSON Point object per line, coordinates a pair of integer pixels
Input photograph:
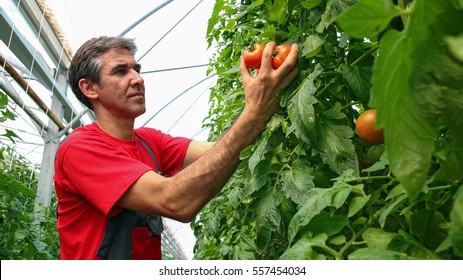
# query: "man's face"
{"type": "Point", "coordinates": [121, 91]}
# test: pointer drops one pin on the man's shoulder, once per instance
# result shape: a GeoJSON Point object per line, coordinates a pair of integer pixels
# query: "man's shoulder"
{"type": "Point", "coordinates": [83, 133]}
{"type": "Point", "coordinates": [147, 130]}
{"type": "Point", "coordinates": [148, 134]}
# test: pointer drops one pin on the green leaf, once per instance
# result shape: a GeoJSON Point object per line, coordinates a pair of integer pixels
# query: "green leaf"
{"type": "Point", "coordinates": [333, 9]}
{"type": "Point", "coordinates": [378, 238]}
{"type": "Point", "coordinates": [458, 4]}
{"type": "Point", "coordinates": [287, 210]}
{"type": "Point", "coordinates": [11, 135]}
{"type": "Point", "coordinates": [39, 245]}
{"type": "Point", "coordinates": [425, 224]}
{"type": "Point", "coordinates": [449, 156]}
{"type": "Point", "coordinates": [358, 79]}
{"type": "Point", "coordinates": [396, 191]}
{"type": "Point", "coordinates": [455, 45]}
{"type": "Point", "coordinates": [299, 251]}
{"type": "Point", "coordinates": [259, 154]}
{"type": "Point", "coordinates": [218, 6]}
{"type": "Point", "coordinates": [390, 207]}
{"type": "Point", "coordinates": [326, 223]}
{"type": "Point", "coordinates": [259, 177]}
{"type": "Point", "coordinates": [267, 214]}
{"type": "Point", "coordinates": [377, 254]}
{"type": "Point", "coordinates": [309, 4]}
{"type": "Point", "coordinates": [301, 110]}
{"type": "Point", "coordinates": [3, 100]}
{"type": "Point", "coordinates": [335, 140]}
{"type": "Point", "coordinates": [312, 45]}
{"type": "Point", "coordinates": [318, 200]}
{"type": "Point", "coordinates": [391, 95]}
{"type": "Point", "coordinates": [21, 188]}
{"type": "Point", "coordinates": [8, 114]}
{"type": "Point", "coordinates": [338, 240]}
{"type": "Point", "coordinates": [367, 18]}
{"type": "Point", "coordinates": [12, 213]}
{"type": "Point", "coordinates": [277, 11]}
{"type": "Point", "coordinates": [356, 204]}
{"type": "Point", "coordinates": [456, 223]}
{"type": "Point", "coordinates": [297, 181]}
{"type": "Point", "coordinates": [246, 153]}
{"type": "Point", "coordinates": [407, 243]}
{"type": "Point", "coordinates": [19, 234]}
{"type": "Point", "coordinates": [246, 247]}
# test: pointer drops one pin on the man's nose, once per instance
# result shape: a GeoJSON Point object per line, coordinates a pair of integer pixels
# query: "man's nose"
{"type": "Point", "coordinates": [137, 78]}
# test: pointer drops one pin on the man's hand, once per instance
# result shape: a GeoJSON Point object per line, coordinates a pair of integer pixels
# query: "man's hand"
{"type": "Point", "coordinates": [260, 91]}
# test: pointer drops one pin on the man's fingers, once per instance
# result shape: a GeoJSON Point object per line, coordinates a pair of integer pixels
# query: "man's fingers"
{"type": "Point", "coordinates": [290, 62]}
{"type": "Point", "coordinates": [245, 73]}
{"type": "Point", "coordinates": [288, 79]}
{"type": "Point", "coordinates": [267, 56]}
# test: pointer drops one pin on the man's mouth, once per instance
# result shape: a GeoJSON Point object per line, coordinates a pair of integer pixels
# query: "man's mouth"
{"type": "Point", "coordinates": [135, 94]}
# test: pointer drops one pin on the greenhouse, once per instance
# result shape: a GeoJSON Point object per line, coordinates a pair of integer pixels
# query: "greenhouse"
{"type": "Point", "coordinates": [322, 129]}
{"type": "Point", "coordinates": [39, 110]}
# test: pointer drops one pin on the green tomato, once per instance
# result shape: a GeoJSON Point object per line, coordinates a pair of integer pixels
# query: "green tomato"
{"type": "Point", "coordinates": [374, 153]}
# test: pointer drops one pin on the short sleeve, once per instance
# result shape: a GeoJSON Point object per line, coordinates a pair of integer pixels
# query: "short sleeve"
{"type": "Point", "coordinates": [169, 151]}
{"type": "Point", "coordinates": [100, 171]}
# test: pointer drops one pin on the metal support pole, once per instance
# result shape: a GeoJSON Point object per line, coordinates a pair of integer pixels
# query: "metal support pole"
{"type": "Point", "coordinates": [30, 92]}
{"type": "Point", "coordinates": [45, 185]}
{"type": "Point", "coordinates": [11, 92]}
{"type": "Point", "coordinates": [144, 17]}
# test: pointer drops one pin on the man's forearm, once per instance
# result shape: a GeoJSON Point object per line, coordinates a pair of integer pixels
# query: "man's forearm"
{"type": "Point", "coordinates": [196, 185]}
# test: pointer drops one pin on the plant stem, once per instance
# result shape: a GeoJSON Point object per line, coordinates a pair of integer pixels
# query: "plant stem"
{"type": "Point", "coordinates": [374, 48]}
{"type": "Point", "coordinates": [369, 178]}
{"type": "Point", "coordinates": [350, 105]}
{"type": "Point", "coordinates": [440, 188]}
{"type": "Point", "coordinates": [321, 92]}
{"type": "Point", "coordinates": [351, 241]}
{"type": "Point", "coordinates": [330, 251]}
{"type": "Point", "coordinates": [403, 5]}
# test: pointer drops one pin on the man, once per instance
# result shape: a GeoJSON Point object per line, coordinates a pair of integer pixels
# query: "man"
{"type": "Point", "coordinates": [113, 181]}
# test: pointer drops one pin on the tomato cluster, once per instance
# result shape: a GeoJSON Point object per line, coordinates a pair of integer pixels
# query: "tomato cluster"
{"type": "Point", "coordinates": [252, 56]}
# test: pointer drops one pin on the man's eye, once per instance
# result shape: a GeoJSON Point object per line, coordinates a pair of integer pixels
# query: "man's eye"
{"type": "Point", "coordinates": [120, 71]}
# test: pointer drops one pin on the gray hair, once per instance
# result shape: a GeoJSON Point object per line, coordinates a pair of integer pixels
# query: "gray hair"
{"type": "Point", "coordinates": [86, 63]}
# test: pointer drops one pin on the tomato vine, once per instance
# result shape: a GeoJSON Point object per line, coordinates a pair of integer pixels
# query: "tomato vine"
{"type": "Point", "coordinates": [300, 191]}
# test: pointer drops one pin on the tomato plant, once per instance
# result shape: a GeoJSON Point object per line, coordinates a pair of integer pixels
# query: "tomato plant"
{"type": "Point", "coordinates": [365, 127]}
{"type": "Point", "coordinates": [299, 192]}
{"type": "Point", "coordinates": [252, 56]}
{"type": "Point", "coordinates": [279, 55]}
{"type": "Point", "coordinates": [24, 237]}
{"type": "Point", "coordinates": [28, 230]}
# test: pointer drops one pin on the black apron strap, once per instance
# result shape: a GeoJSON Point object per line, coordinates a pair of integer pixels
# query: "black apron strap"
{"type": "Point", "coordinates": [154, 222]}
{"type": "Point", "coordinates": [147, 147]}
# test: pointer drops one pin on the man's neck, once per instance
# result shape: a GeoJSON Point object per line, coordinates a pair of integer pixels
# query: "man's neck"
{"type": "Point", "coordinates": [122, 129]}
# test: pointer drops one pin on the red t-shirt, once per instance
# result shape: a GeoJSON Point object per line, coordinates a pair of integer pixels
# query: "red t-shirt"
{"type": "Point", "coordinates": [93, 170]}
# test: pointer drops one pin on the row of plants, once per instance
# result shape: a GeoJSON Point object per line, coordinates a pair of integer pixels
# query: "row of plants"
{"type": "Point", "coordinates": [310, 187]}
{"type": "Point", "coordinates": [26, 234]}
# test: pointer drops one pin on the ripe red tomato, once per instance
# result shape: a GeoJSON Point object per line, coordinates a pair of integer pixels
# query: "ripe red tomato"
{"type": "Point", "coordinates": [252, 56]}
{"type": "Point", "coordinates": [279, 55]}
{"type": "Point", "coordinates": [365, 128]}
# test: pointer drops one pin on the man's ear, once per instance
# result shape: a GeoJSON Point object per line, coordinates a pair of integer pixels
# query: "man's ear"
{"type": "Point", "coordinates": [88, 88]}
